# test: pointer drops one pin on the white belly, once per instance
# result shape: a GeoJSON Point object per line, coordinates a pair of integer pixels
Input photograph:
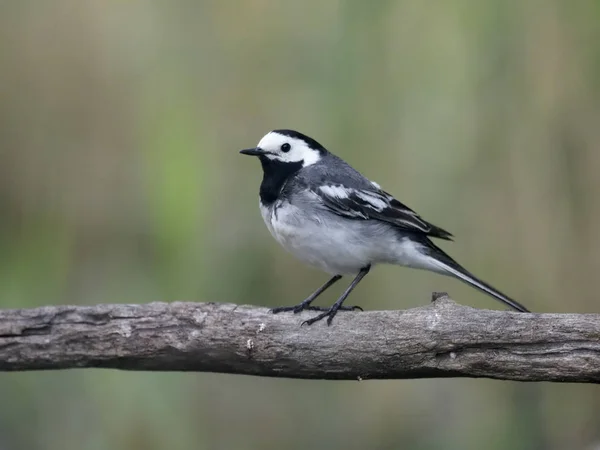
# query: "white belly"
{"type": "Point", "coordinates": [337, 245]}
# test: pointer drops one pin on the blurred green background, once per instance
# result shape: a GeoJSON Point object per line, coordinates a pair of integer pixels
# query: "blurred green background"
{"type": "Point", "coordinates": [120, 181]}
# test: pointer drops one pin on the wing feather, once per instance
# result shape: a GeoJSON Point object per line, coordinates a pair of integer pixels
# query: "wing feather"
{"type": "Point", "coordinates": [376, 204]}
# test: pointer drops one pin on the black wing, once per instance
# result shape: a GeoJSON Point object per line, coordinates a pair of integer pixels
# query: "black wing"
{"type": "Point", "coordinates": [364, 204]}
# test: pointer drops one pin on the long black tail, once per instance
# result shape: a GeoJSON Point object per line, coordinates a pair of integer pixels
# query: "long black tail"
{"type": "Point", "coordinates": [450, 267]}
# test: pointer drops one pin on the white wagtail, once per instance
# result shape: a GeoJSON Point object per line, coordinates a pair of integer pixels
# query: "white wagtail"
{"type": "Point", "coordinates": [330, 216]}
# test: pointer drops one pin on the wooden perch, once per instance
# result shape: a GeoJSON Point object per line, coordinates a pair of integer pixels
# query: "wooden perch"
{"type": "Point", "coordinates": [442, 339]}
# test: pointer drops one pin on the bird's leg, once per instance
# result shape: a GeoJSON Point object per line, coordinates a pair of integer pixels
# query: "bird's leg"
{"type": "Point", "coordinates": [331, 312]}
{"type": "Point", "coordinates": [305, 304]}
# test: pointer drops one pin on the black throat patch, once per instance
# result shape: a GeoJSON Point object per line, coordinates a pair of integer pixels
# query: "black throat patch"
{"type": "Point", "coordinates": [275, 174]}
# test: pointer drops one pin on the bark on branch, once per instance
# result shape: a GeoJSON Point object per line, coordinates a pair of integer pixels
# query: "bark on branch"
{"type": "Point", "coordinates": [443, 339]}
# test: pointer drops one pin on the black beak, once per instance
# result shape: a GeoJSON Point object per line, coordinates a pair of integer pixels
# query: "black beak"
{"type": "Point", "coordinates": [257, 151]}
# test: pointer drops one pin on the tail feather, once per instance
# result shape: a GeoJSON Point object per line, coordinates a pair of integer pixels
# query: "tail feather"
{"type": "Point", "coordinates": [440, 233]}
{"type": "Point", "coordinates": [450, 267]}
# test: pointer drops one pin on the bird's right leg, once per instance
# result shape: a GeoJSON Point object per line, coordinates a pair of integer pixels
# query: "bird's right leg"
{"type": "Point", "coordinates": [305, 304]}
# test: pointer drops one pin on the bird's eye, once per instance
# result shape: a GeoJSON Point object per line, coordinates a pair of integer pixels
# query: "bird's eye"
{"type": "Point", "coordinates": [285, 147]}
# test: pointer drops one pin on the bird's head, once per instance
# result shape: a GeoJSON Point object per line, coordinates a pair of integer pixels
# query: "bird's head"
{"type": "Point", "coordinates": [287, 146]}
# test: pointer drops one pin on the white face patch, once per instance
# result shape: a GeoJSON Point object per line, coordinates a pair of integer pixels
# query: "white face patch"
{"type": "Point", "coordinates": [299, 150]}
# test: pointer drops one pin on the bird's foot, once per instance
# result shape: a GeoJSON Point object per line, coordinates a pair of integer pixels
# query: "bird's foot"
{"type": "Point", "coordinates": [295, 309]}
{"type": "Point", "coordinates": [341, 308]}
{"type": "Point", "coordinates": [329, 313]}
{"type": "Point", "coordinates": [304, 307]}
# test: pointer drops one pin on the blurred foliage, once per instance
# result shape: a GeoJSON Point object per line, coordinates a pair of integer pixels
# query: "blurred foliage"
{"type": "Point", "coordinates": [120, 182]}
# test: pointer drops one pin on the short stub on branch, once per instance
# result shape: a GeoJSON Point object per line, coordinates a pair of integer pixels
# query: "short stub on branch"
{"type": "Point", "coordinates": [435, 296]}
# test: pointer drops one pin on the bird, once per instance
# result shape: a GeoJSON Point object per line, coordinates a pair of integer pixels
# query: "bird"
{"type": "Point", "coordinates": [330, 216]}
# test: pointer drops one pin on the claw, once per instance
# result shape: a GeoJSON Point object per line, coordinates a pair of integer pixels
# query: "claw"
{"type": "Point", "coordinates": [329, 313]}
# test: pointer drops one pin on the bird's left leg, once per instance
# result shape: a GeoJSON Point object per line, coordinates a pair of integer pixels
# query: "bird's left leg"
{"type": "Point", "coordinates": [305, 304]}
{"type": "Point", "coordinates": [331, 312]}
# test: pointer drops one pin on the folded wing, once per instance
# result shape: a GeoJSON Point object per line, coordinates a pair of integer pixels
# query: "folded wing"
{"type": "Point", "coordinates": [365, 204]}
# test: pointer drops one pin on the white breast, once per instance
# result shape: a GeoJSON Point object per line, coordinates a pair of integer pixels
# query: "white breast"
{"type": "Point", "coordinates": [285, 223]}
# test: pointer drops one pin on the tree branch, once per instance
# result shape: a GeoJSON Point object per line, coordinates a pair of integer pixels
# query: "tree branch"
{"type": "Point", "coordinates": [439, 340]}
